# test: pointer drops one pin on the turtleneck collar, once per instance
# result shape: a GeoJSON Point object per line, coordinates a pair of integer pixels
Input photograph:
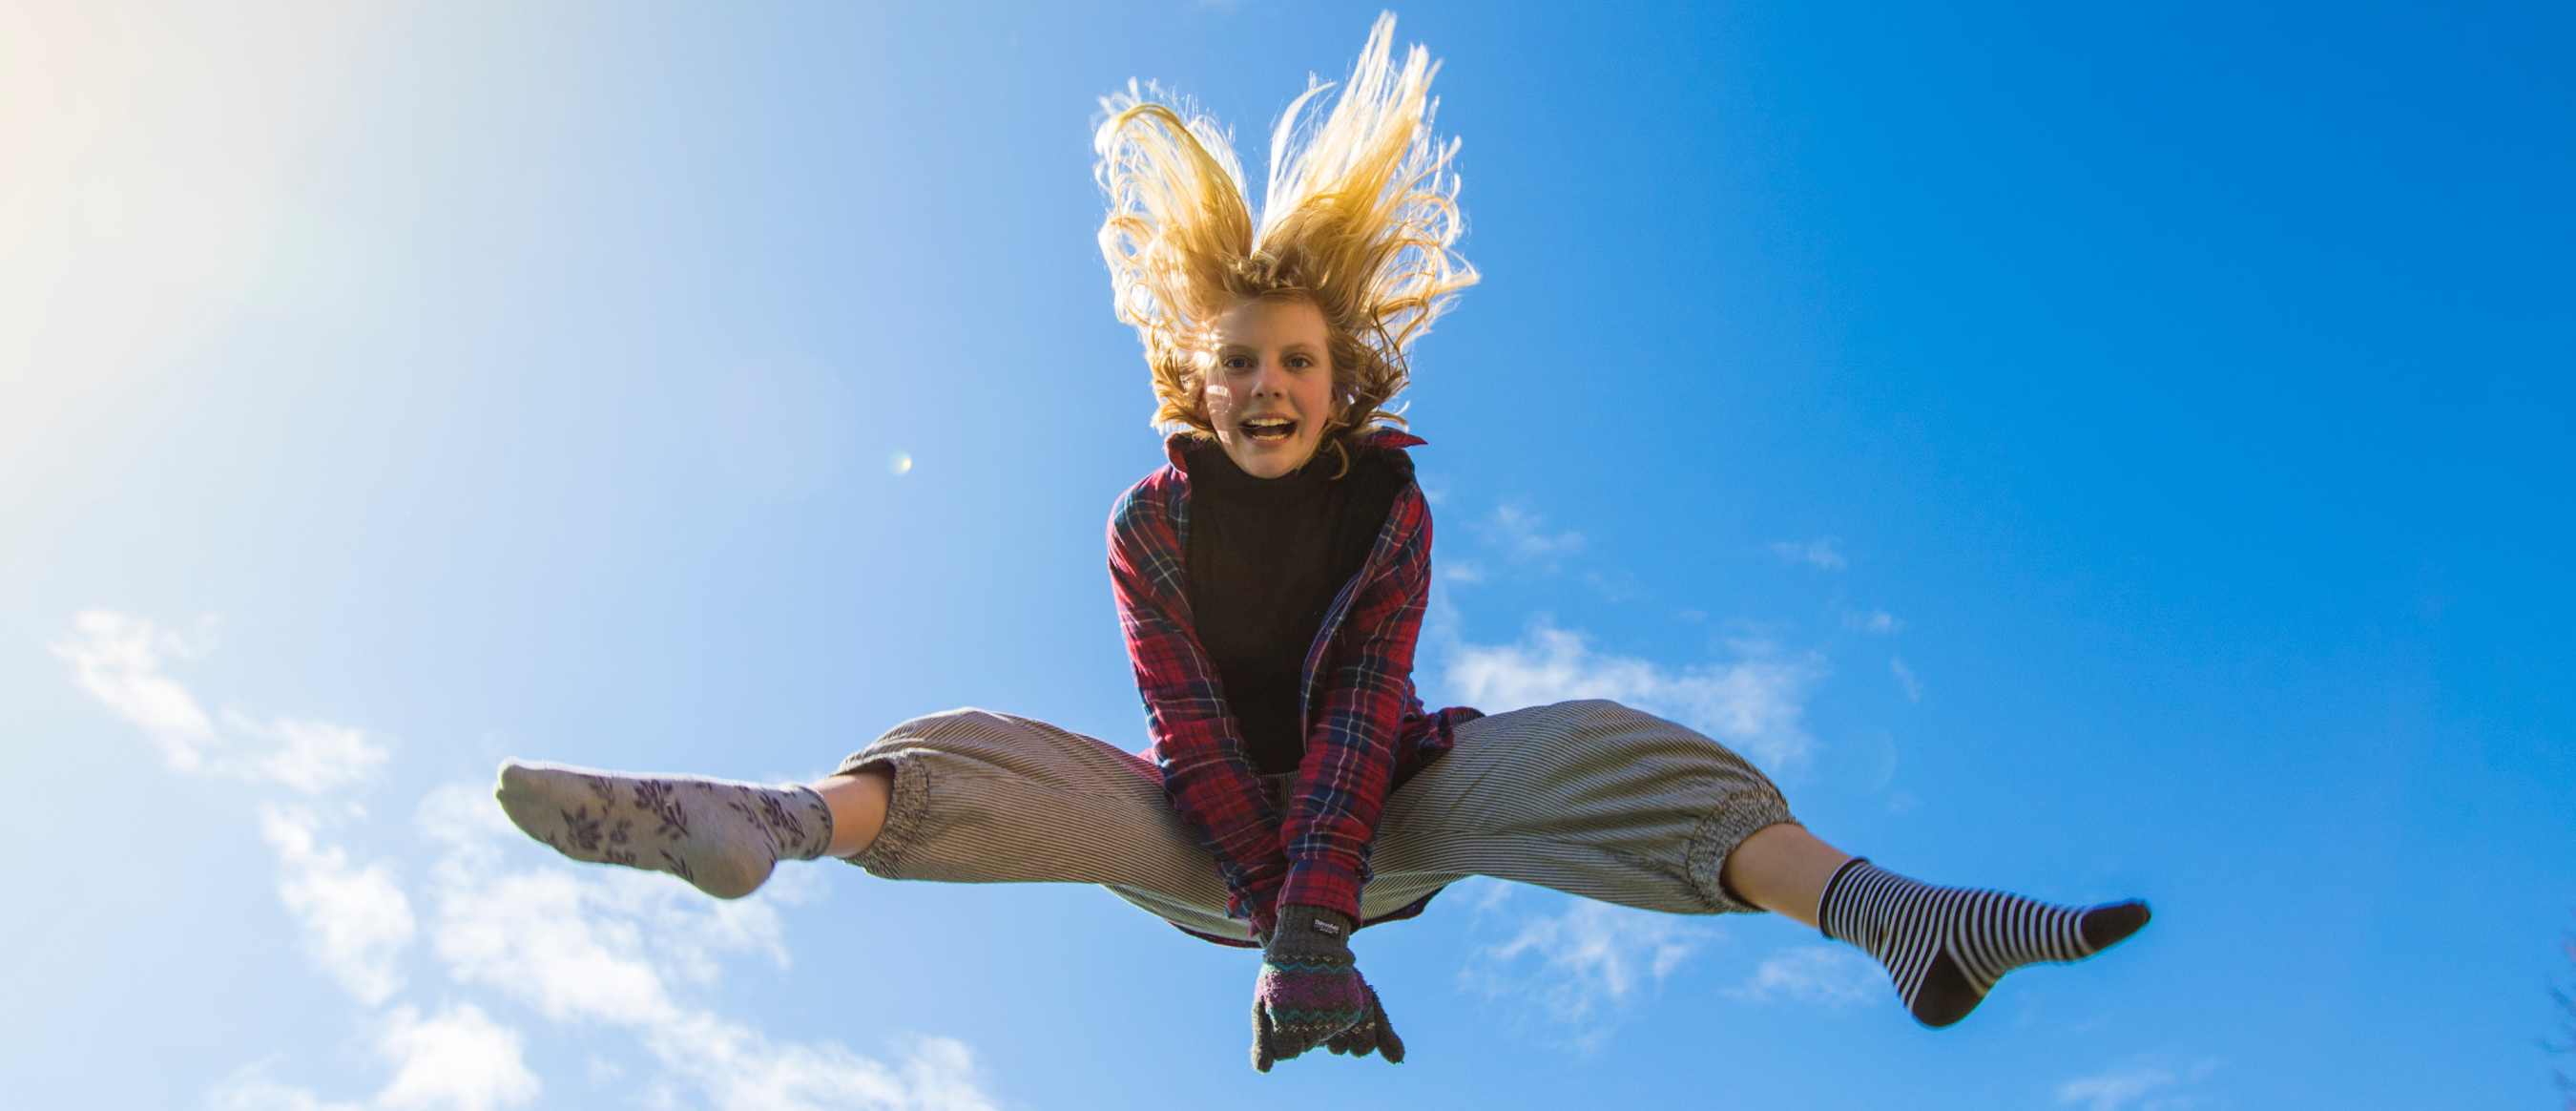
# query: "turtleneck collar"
{"type": "Point", "coordinates": [1215, 472]}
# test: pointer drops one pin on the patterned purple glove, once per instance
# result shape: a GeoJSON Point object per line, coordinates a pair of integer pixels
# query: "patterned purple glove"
{"type": "Point", "coordinates": [1371, 1034]}
{"type": "Point", "coordinates": [1310, 990]}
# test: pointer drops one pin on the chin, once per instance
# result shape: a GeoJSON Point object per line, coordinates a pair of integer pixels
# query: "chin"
{"type": "Point", "coordinates": [1264, 461]}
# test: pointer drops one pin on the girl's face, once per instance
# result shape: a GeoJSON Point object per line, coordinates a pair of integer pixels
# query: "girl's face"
{"type": "Point", "coordinates": [1269, 386]}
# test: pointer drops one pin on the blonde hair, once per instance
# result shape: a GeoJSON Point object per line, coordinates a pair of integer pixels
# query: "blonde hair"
{"type": "Point", "coordinates": [1357, 218]}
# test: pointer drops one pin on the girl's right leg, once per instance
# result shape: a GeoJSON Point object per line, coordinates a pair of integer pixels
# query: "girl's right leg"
{"type": "Point", "coordinates": [721, 835]}
{"type": "Point", "coordinates": [963, 797]}
{"type": "Point", "coordinates": [857, 801]}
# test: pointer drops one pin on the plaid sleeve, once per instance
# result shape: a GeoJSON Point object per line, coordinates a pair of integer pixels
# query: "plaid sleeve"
{"type": "Point", "coordinates": [1207, 778]}
{"type": "Point", "coordinates": [1358, 711]}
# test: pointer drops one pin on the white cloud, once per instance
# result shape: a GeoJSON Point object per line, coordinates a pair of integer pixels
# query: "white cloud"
{"type": "Point", "coordinates": [1820, 551]}
{"type": "Point", "coordinates": [1905, 678]}
{"type": "Point", "coordinates": [460, 1060]}
{"type": "Point", "coordinates": [310, 756]}
{"type": "Point", "coordinates": [2115, 1089]}
{"type": "Point", "coordinates": [1523, 534]}
{"type": "Point", "coordinates": [582, 945]}
{"type": "Point", "coordinates": [739, 1070]}
{"type": "Point", "coordinates": [1578, 963]}
{"type": "Point", "coordinates": [2118, 1088]}
{"type": "Point", "coordinates": [603, 946]}
{"type": "Point", "coordinates": [356, 920]}
{"type": "Point", "coordinates": [1875, 621]}
{"type": "Point", "coordinates": [1822, 975]}
{"type": "Point", "coordinates": [252, 1090]}
{"type": "Point", "coordinates": [117, 659]}
{"type": "Point", "coordinates": [1753, 704]}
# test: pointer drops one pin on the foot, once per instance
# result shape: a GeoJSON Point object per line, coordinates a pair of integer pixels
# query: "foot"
{"type": "Point", "coordinates": [1945, 947]}
{"type": "Point", "coordinates": [720, 835]}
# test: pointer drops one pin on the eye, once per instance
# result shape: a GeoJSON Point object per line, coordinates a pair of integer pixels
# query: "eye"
{"type": "Point", "coordinates": [1235, 362]}
{"type": "Point", "coordinates": [1301, 362]}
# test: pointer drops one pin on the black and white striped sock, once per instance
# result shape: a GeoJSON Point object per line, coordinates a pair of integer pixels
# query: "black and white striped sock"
{"type": "Point", "coordinates": [1946, 946]}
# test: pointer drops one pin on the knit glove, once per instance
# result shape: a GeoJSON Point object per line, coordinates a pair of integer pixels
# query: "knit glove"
{"type": "Point", "coordinates": [1310, 990]}
{"type": "Point", "coordinates": [1370, 1034]}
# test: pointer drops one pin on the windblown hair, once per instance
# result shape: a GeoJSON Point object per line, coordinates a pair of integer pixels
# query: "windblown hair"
{"type": "Point", "coordinates": [1358, 218]}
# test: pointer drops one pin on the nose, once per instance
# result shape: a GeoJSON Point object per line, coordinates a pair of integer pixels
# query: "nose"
{"type": "Point", "coordinates": [1269, 379]}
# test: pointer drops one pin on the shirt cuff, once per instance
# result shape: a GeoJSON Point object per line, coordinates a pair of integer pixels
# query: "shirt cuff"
{"type": "Point", "coordinates": [1259, 906]}
{"type": "Point", "coordinates": [1321, 883]}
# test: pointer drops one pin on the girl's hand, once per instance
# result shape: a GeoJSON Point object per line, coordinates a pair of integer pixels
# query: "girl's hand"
{"type": "Point", "coordinates": [1310, 991]}
{"type": "Point", "coordinates": [1371, 1034]}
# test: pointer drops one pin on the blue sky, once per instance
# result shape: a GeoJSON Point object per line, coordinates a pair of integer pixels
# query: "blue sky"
{"type": "Point", "coordinates": [2097, 451]}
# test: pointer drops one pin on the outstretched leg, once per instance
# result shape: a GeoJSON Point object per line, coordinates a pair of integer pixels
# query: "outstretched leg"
{"type": "Point", "coordinates": [1594, 799]}
{"type": "Point", "coordinates": [1944, 946]}
{"type": "Point", "coordinates": [964, 797]}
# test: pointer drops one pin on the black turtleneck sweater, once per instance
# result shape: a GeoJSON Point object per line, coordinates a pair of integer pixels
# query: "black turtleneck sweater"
{"type": "Point", "coordinates": [1266, 558]}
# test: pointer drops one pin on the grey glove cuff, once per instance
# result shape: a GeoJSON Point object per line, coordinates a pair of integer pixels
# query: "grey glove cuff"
{"type": "Point", "coordinates": [1311, 931]}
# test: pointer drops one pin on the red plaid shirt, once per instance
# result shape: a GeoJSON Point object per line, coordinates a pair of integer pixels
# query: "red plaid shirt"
{"type": "Point", "coordinates": [1365, 731]}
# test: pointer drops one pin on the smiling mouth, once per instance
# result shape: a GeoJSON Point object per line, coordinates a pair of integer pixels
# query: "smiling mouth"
{"type": "Point", "coordinates": [1270, 429]}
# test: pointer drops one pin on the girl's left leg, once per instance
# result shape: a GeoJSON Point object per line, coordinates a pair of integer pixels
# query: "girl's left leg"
{"type": "Point", "coordinates": [1783, 869]}
{"type": "Point", "coordinates": [1944, 947]}
{"type": "Point", "coordinates": [1595, 799]}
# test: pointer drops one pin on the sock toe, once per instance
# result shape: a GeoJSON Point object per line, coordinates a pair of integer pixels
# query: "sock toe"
{"type": "Point", "coordinates": [2104, 927]}
{"type": "Point", "coordinates": [563, 807]}
{"type": "Point", "coordinates": [516, 789]}
{"type": "Point", "coordinates": [1946, 995]}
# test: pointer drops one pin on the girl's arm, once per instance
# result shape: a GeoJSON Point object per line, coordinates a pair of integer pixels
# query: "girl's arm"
{"type": "Point", "coordinates": [1355, 714]}
{"type": "Point", "coordinates": [1207, 777]}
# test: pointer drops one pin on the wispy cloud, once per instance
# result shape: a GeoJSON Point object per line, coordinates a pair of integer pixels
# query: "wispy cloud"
{"type": "Point", "coordinates": [2133, 1085]}
{"type": "Point", "coordinates": [251, 1090]}
{"type": "Point", "coordinates": [1516, 536]}
{"type": "Point", "coordinates": [1523, 536]}
{"type": "Point", "coordinates": [1822, 551]}
{"type": "Point", "coordinates": [458, 1059]}
{"type": "Point", "coordinates": [583, 946]}
{"type": "Point", "coordinates": [310, 756]}
{"type": "Point", "coordinates": [1579, 966]}
{"type": "Point", "coordinates": [1875, 621]}
{"type": "Point", "coordinates": [1754, 703]}
{"type": "Point", "coordinates": [1905, 678]}
{"type": "Point", "coordinates": [356, 921]}
{"type": "Point", "coordinates": [118, 659]}
{"type": "Point", "coordinates": [1816, 974]}
{"type": "Point", "coordinates": [598, 947]}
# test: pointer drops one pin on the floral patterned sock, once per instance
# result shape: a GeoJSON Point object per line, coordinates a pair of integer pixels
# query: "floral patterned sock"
{"type": "Point", "coordinates": [720, 835]}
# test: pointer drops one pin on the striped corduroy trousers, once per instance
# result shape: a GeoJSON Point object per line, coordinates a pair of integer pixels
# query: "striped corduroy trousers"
{"type": "Point", "coordinates": [1590, 798]}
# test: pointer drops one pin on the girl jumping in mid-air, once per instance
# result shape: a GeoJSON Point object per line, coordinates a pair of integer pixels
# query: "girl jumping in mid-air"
{"type": "Point", "coordinates": [1271, 581]}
